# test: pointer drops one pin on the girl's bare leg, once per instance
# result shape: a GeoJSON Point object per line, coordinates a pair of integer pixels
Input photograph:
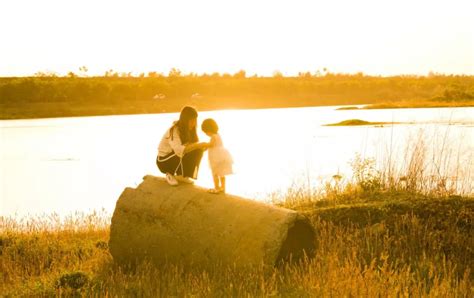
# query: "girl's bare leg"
{"type": "Point", "coordinates": [222, 180]}
{"type": "Point", "coordinates": [216, 182]}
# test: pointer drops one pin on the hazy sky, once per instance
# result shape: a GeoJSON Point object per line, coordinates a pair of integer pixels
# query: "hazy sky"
{"type": "Point", "coordinates": [373, 36]}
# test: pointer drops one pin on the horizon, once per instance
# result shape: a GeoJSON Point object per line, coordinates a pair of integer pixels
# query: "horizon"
{"type": "Point", "coordinates": [238, 74]}
{"type": "Point", "coordinates": [393, 38]}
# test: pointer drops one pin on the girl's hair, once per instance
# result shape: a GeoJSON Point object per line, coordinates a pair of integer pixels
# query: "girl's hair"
{"type": "Point", "coordinates": [185, 134]}
{"type": "Point", "coordinates": [209, 125]}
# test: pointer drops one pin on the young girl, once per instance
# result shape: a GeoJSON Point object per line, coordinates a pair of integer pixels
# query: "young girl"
{"type": "Point", "coordinates": [220, 159]}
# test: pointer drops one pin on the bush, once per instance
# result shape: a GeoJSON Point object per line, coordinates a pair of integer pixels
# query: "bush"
{"type": "Point", "coordinates": [366, 175]}
{"type": "Point", "coordinates": [74, 280]}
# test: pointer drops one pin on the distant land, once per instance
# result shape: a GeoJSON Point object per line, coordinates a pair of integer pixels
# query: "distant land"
{"type": "Point", "coordinates": [358, 122]}
{"type": "Point", "coordinates": [46, 96]}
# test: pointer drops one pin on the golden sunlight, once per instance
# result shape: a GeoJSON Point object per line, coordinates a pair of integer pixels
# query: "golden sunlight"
{"type": "Point", "coordinates": [241, 148]}
{"type": "Point", "coordinates": [374, 37]}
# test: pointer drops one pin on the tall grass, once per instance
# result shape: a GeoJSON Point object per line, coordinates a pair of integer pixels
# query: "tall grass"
{"type": "Point", "coordinates": [407, 255]}
{"type": "Point", "coordinates": [431, 163]}
{"type": "Point", "coordinates": [435, 164]}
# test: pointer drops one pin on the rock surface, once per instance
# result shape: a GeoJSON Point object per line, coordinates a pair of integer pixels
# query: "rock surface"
{"type": "Point", "coordinates": [187, 225]}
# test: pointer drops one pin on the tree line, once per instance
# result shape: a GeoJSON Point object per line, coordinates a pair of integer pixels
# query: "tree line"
{"type": "Point", "coordinates": [158, 93]}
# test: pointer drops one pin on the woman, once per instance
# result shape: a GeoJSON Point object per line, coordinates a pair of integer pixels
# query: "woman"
{"type": "Point", "coordinates": [179, 153]}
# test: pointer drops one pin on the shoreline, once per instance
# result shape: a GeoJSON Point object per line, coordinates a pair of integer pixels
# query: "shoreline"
{"type": "Point", "coordinates": [408, 105]}
{"type": "Point", "coordinates": [44, 111]}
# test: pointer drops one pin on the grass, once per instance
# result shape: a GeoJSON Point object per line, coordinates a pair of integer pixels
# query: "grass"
{"type": "Point", "coordinates": [420, 104]}
{"type": "Point", "coordinates": [401, 104]}
{"type": "Point", "coordinates": [369, 243]}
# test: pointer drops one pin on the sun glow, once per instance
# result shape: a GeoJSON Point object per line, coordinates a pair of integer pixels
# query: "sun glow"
{"type": "Point", "coordinates": [375, 37]}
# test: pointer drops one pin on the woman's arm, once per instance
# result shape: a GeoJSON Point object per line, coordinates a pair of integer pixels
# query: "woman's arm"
{"type": "Point", "coordinates": [194, 146]}
{"type": "Point", "coordinates": [175, 143]}
{"type": "Point", "coordinates": [180, 149]}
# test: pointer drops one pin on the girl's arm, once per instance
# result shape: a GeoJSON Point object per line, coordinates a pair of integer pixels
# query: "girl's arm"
{"type": "Point", "coordinates": [212, 142]}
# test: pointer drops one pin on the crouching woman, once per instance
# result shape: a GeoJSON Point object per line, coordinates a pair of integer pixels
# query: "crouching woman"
{"type": "Point", "coordinates": [179, 152]}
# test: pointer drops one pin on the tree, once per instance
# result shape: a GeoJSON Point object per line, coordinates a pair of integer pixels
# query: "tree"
{"type": "Point", "coordinates": [306, 74]}
{"type": "Point", "coordinates": [111, 73]}
{"type": "Point", "coordinates": [240, 74]}
{"type": "Point", "coordinates": [154, 74]}
{"type": "Point", "coordinates": [277, 74]}
{"type": "Point", "coordinates": [46, 74]}
{"type": "Point", "coordinates": [83, 71]}
{"type": "Point", "coordinates": [174, 73]}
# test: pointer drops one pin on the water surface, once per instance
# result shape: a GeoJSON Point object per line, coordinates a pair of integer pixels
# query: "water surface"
{"type": "Point", "coordinates": [81, 164]}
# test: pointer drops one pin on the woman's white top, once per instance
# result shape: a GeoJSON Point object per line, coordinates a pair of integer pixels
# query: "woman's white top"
{"type": "Point", "coordinates": [220, 159]}
{"type": "Point", "coordinates": [170, 144]}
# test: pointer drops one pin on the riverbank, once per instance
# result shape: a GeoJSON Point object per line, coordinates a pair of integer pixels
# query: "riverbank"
{"type": "Point", "coordinates": [55, 110]}
{"type": "Point", "coordinates": [412, 105]}
{"type": "Point", "coordinates": [420, 104]}
{"type": "Point", "coordinates": [369, 244]}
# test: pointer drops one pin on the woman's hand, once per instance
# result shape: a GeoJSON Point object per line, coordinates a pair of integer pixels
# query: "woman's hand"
{"type": "Point", "coordinates": [194, 146]}
{"type": "Point", "coordinates": [204, 145]}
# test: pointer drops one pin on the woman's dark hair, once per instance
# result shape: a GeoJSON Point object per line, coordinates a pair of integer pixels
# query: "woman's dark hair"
{"type": "Point", "coordinates": [185, 134]}
{"type": "Point", "coordinates": [209, 125]}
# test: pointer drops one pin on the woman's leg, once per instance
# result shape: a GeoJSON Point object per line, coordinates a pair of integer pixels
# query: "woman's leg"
{"type": "Point", "coordinates": [189, 166]}
{"type": "Point", "coordinates": [168, 164]}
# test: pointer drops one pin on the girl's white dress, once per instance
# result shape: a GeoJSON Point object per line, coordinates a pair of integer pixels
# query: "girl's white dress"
{"type": "Point", "coordinates": [220, 159]}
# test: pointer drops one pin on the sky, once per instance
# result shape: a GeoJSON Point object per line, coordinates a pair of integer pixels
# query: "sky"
{"type": "Point", "coordinates": [377, 37]}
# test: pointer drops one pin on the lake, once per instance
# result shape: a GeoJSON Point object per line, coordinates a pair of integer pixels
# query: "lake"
{"type": "Point", "coordinates": [64, 165]}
